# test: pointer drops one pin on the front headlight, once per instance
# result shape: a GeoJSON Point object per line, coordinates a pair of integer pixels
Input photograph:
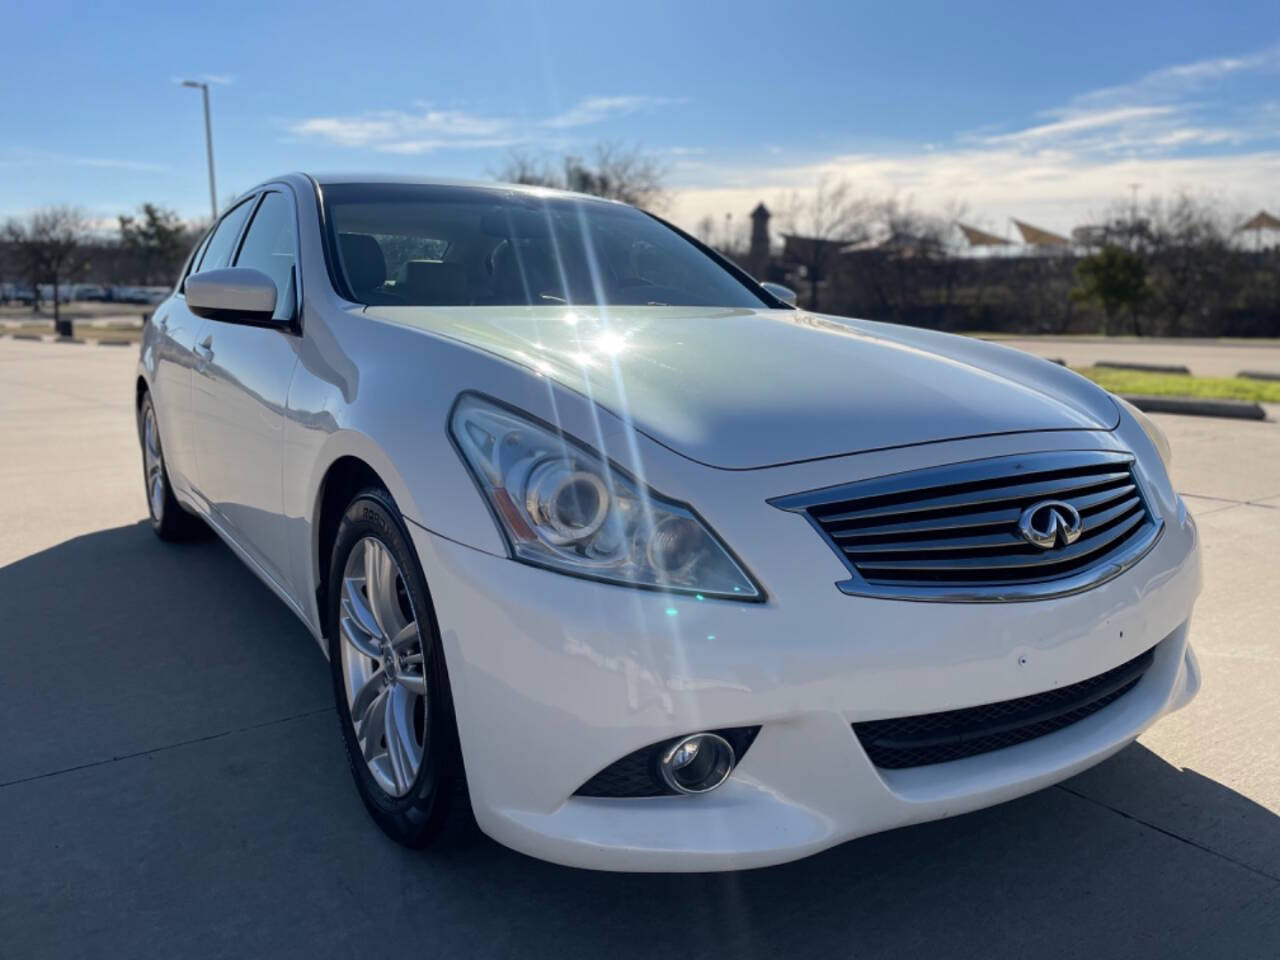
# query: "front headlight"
{"type": "Point", "coordinates": [561, 505]}
{"type": "Point", "coordinates": [1153, 432]}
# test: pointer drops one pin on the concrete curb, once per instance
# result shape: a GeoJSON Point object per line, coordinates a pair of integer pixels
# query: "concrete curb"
{"type": "Point", "coordinates": [1147, 367]}
{"type": "Point", "coordinates": [1258, 375]}
{"type": "Point", "coordinates": [80, 341]}
{"type": "Point", "coordinates": [1197, 407]}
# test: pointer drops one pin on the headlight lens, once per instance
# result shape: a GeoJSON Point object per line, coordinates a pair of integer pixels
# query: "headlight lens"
{"type": "Point", "coordinates": [563, 506]}
{"type": "Point", "coordinates": [1152, 430]}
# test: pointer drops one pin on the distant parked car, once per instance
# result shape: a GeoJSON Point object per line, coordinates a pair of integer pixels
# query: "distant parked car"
{"type": "Point", "coordinates": [65, 292]}
{"type": "Point", "coordinates": [128, 294]}
{"type": "Point", "coordinates": [650, 570]}
{"type": "Point", "coordinates": [89, 291]}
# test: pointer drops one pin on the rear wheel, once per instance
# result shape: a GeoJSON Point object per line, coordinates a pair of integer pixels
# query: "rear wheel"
{"type": "Point", "coordinates": [390, 682]}
{"type": "Point", "coordinates": [169, 519]}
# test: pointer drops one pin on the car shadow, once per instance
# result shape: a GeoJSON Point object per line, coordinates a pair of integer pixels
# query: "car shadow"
{"type": "Point", "coordinates": [171, 781]}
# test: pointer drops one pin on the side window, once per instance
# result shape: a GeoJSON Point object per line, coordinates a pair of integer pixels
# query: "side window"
{"type": "Point", "coordinates": [217, 252]}
{"type": "Point", "coordinates": [190, 266]}
{"type": "Point", "coordinates": [268, 246]}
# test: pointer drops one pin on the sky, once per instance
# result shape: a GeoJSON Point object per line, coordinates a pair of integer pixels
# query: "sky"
{"type": "Point", "coordinates": [1044, 112]}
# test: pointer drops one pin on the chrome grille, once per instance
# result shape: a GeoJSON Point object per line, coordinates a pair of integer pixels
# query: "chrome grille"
{"type": "Point", "coordinates": [952, 532]}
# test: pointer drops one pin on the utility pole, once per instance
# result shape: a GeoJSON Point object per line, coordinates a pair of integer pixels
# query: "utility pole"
{"type": "Point", "coordinates": [208, 143]}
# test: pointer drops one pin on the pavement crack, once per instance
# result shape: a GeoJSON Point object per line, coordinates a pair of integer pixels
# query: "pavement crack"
{"type": "Point", "coordinates": [1256, 502]}
{"type": "Point", "coordinates": [1170, 834]}
{"type": "Point", "coordinates": [167, 746]}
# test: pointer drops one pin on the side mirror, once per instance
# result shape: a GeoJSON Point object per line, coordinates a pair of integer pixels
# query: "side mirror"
{"type": "Point", "coordinates": [237, 295]}
{"type": "Point", "coordinates": [785, 294]}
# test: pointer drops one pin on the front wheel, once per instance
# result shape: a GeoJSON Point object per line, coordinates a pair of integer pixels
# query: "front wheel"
{"type": "Point", "coordinates": [390, 682]}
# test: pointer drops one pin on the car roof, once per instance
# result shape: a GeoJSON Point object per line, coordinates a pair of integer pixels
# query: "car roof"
{"type": "Point", "coordinates": [327, 179]}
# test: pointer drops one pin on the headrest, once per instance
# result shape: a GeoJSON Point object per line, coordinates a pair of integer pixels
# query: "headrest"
{"type": "Point", "coordinates": [366, 266]}
{"type": "Point", "coordinates": [520, 275]}
{"type": "Point", "coordinates": [435, 283]}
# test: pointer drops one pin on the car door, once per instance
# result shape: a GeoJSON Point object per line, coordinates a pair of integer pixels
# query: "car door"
{"type": "Point", "coordinates": [176, 333]}
{"type": "Point", "coordinates": [238, 394]}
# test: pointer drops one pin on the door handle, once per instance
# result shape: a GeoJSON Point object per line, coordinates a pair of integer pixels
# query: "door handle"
{"type": "Point", "coordinates": [204, 350]}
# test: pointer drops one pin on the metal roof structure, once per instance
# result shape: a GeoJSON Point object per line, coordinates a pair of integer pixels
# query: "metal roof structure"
{"type": "Point", "coordinates": [980, 238]}
{"type": "Point", "coordinates": [1039, 237]}
{"type": "Point", "coordinates": [1260, 221]}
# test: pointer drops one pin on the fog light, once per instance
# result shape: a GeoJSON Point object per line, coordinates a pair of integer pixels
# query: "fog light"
{"type": "Point", "coordinates": [697, 764]}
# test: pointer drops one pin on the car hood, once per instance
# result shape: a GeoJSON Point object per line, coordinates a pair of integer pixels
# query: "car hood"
{"type": "Point", "coordinates": [740, 389]}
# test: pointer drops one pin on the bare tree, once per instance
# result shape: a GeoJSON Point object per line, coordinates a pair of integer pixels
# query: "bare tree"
{"type": "Point", "coordinates": [706, 230]}
{"type": "Point", "coordinates": [47, 246]}
{"type": "Point", "coordinates": [612, 171]}
{"type": "Point", "coordinates": [522, 167]}
{"type": "Point", "coordinates": [1190, 256]}
{"type": "Point", "coordinates": [911, 271]}
{"type": "Point", "coordinates": [819, 225]}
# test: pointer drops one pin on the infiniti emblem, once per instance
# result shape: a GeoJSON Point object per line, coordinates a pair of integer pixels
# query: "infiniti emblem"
{"type": "Point", "coordinates": [1049, 524]}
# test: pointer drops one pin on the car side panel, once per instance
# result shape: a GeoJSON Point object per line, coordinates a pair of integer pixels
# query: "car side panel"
{"type": "Point", "coordinates": [168, 359]}
{"type": "Point", "coordinates": [238, 395]}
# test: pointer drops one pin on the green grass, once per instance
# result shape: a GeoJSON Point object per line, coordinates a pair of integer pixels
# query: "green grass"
{"type": "Point", "coordinates": [1181, 385]}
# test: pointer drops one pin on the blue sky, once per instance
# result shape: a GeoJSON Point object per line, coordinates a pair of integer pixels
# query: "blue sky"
{"type": "Point", "coordinates": [1023, 109]}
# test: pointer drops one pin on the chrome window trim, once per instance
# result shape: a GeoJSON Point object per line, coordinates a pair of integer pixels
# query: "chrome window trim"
{"type": "Point", "coordinates": [1108, 568]}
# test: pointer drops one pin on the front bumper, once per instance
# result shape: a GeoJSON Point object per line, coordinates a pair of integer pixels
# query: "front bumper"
{"type": "Point", "coordinates": [554, 678]}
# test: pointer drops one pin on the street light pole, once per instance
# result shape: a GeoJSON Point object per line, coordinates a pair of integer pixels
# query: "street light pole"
{"type": "Point", "coordinates": [208, 143]}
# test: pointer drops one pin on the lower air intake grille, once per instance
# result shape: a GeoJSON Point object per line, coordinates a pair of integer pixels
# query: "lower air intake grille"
{"type": "Point", "coordinates": [964, 531]}
{"type": "Point", "coordinates": [955, 734]}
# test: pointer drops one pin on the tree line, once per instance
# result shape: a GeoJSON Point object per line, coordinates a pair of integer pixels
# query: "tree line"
{"type": "Point", "coordinates": [59, 245]}
{"type": "Point", "coordinates": [1173, 267]}
{"type": "Point", "coordinates": [1176, 266]}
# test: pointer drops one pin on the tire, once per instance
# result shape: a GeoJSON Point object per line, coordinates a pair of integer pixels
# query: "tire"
{"type": "Point", "coordinates": [170, 520]}
{"type": "Point", "coordinates": [426, 807]}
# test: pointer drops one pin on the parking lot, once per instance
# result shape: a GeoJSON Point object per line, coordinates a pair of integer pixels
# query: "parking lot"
{"type": "Point", "coordinates": [1205, 358]}
{"type": "Point", "coordinates": [172, 781]}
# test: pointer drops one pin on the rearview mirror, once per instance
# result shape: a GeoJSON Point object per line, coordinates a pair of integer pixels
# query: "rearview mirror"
{"type": "Point", "coordinates": [515, 222]}
{"type": "Point", "coordinates": [237, 294]}
{"type": "Point", "coordinates": [785, 294]}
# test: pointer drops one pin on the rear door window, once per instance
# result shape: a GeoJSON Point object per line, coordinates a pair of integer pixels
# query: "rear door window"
{"type": "Point", "coordinates": [217, 252]}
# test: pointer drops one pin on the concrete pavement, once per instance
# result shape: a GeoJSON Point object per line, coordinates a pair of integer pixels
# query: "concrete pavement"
{"type": "Point", "coordinates": [172, 782]}
{"type": "Point", "coordinates": [1205, 358]}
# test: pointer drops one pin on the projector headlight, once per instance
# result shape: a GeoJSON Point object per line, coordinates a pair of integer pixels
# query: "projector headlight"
{"type": "Point", "coordinates": [562, 506]}
{"type": "Point", "coordinates": [1153, 432]}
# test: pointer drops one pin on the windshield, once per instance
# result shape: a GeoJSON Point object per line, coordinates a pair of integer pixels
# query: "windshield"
{"type": "Point", "coordinates": [427, 245]}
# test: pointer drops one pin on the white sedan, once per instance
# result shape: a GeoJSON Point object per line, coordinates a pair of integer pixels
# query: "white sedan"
{"type": "Point", "coordinates": [615, 551]}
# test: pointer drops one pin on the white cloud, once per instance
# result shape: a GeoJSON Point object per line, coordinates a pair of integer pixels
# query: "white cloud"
{"type": "Point", "coordinates": [1171, 129]}
{"type": "Point", "coordinates": [411, 147]}
{"type": "Point", "coordinates": [23, 157]}
{"type": "Point", "coordinates": [598, 109]}
{"type": "Point", "coordinates": [426, 130]}
{"type": "Point", "coordinates": [1057, 191]}
{"type": "Point", "coordinates": [1077, 121]}
{"type": "Point", "coordinates": [387, 128]}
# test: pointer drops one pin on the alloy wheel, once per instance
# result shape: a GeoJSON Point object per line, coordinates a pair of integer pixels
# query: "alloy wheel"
{"type": "Point", "coordinates": [153, 463]}
{"type": "Point", "coordinates": [383, 667]}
